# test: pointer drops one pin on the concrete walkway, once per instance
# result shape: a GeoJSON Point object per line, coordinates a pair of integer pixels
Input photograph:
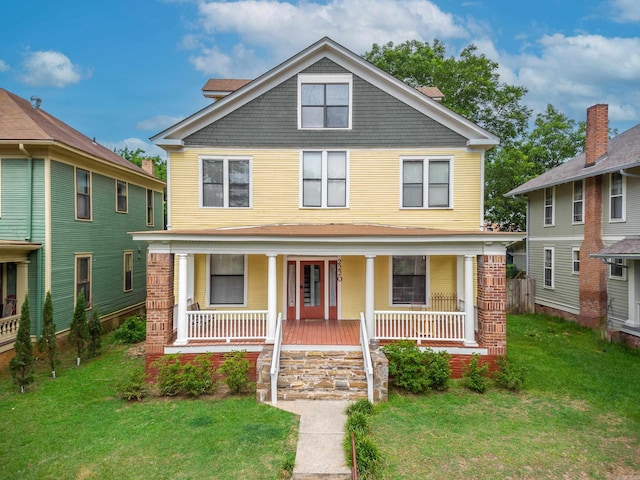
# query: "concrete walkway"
{"type": "Point", "coordinates": [319, 454]}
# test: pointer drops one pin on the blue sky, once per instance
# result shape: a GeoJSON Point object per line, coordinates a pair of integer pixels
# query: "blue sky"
{"type": "Point", "coordinates": [123, 70]}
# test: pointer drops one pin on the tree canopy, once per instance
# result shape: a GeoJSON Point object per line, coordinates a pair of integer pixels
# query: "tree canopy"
{"type": "Point", "coordinates": [136, 156]}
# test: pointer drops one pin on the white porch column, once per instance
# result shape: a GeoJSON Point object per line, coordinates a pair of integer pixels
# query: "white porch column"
{"type": "Point", "coordinates": [272, 298]}
{"type": "Point", "coordinates": [22, 284]}
{"type": "Point", "coordinates": [183, 286]}
{"type": "Point", "coordinates": [369, 303]}
{"type": "Point", "coordinates": [459, 279]}
{"type": "Point", "coordinates": [190, 280]}
{"type": "Point", "coordinates": [469, 323]}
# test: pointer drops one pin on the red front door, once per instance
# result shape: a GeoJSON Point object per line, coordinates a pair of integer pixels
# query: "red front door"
{"type": "Point", "coordinates": [312, 289]}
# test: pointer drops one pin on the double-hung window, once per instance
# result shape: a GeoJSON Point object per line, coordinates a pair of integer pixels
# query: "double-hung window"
{"type": "Point", "coordinates": [128, 271]}
{"type": "Point", "coordinates": [616, 197]}
{"type": "Point", "coordinates": [227, 279]}
{"type": "Point", "coordinates": [150, 210]}
{"type": "Point", "coordinates": [409, 280]}
{"type": "Point", "coordinates": [324, 179]}
{"type": "Point", "coordinates": [427, 183]}
{"type": "Point", "coordinates": [549, 274]}
{"type": "Point", "coordinates": [226, 182]}
{"type": "Point", "coordinates": [578, 201]}
{"type": "Point", "coordinates": [121, 196]}
{"type": "Point", "coordinates": [83, 194]}
{"type": "Point", "coordinates": [324, 101]}
{"type": "Point", "coordinates": [575, 259]}
{"type": "Point", "coordinates": [549, 209]}
{"type": "Point", "coordinates": [83, 277]}
{"type": "Point", "coordinates": [617, 270]}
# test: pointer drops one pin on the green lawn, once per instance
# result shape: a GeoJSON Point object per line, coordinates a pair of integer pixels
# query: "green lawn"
{"type": "Point", "coordinates": [579, 416]}
{"type": "Point", "coordinates": [75, 427]}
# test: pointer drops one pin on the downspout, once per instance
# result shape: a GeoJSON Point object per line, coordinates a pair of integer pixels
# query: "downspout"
{"type": "Point", "coordinates": [526, 238]}
{"type": "Point", "coordinates": [30, 190]}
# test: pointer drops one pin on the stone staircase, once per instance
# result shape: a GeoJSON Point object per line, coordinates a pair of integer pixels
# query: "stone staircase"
{"type": "Point", "coordinates": [321, 375]}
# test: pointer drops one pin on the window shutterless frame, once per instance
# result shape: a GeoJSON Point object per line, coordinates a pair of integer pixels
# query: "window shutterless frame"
{"type": "Point", "coordinates": [578, 202]}
{"type": "Point", "coordinates": [82, 182]}
{"type": "Point", "coordinates": [227, 280]}
{"type": "Point", "coordinates": [82, 277]}
{"type": "Point", "coordinates": [617, 197]}
{"type": "Point", "coordinates": [426, 182]}
{"type": "Point", "coordinates": [127, 281]}
{"type": "Point", "coordinates": [122, 196]}
{"type": "Point", "coordinates": [325, 101]}
{"type": "Point", "coordinates": [324, 179]}
{"type": "Point", "coordinates": [225, 182]}
{"type": "Point", "coordinates": [575, 261]}
{"type": "Point", "coordinates": [549, 267]}
{"type": "Point", "coordinates": [150, 208]}
{"type": "Point", "coordinates": [549, 206]}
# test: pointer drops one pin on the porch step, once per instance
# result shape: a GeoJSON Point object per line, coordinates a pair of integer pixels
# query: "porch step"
{"type": "Point", "coordinates": [321, 375]}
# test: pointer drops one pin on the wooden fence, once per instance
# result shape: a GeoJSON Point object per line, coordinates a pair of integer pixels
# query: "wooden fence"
{"type": "Point", "coordinates": [520, 295]}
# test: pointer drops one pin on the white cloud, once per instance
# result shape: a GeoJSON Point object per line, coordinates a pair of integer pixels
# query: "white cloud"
{"type": "Point", "coordinates": [50, 68]}
{"type": "Point", "coordinates": [3, 66]}
{"type": "Point", "coordinates": [137, 143]}
{"type": "Point", "coordinates": [280, 29]}
{"type": "Point", "coordinates": [157, 123]}
{"type": "Point", "coordinates": [626, 10]}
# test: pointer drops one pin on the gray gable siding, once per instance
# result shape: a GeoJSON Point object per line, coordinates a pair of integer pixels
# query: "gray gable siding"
{"type": "Point", "coordinates": [378, 120]}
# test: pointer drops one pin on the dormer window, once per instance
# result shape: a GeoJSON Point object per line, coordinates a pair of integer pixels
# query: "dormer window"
{"type": "Point", "coordinates": [324, 101]}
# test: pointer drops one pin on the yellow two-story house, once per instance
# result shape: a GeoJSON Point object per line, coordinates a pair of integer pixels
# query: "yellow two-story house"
{"type": "Point", "coordinates": [325, 204]}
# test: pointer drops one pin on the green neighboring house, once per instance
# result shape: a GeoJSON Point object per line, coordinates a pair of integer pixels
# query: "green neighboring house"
{"type": "Point", "coordinates": [66, 205]}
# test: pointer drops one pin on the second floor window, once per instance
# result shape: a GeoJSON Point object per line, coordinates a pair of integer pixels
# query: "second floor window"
{"type": "Point", "coordinates": [150, 212]}
{"type": "Point", "coordinates": [426, 183]}
{"type": "Point", "coordinates": [578, 201]}
{"type": "Point", "coordinates": [549, 214]}
{"type": "Point", "coordinates": [121, 196]}
{"type": "Point", "coordinates": [83, 194]}
{"type": "Point", "coordinates": [616, 197]}
{"type": "Point", "coordinates": [324, 101]}
{"type": "Point", "coordinates": [324, 179]}
{"type": "Point", "coordinates": [226, 182]}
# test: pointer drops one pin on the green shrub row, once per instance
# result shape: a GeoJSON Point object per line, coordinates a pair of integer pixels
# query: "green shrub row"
{"type": "Point", "coordinates": [368, 456]}
{"type": "Point", "coordinates": [133, 330]}
{"type": "Point", "coordinates": [476, 377]}
{"type": "Point", "coordinates": [415, 370]}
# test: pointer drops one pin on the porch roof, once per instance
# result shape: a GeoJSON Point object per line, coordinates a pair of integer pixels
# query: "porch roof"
{"type": "Point", "coordinates": [626, 248]}
{"type": "Point", "coordinates": [19, 245]}
{"type": "Point", "coordinates": [326, 234]}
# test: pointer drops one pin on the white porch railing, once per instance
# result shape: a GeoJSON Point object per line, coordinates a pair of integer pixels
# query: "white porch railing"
{"type": "Point", "coordinates": [418, 325]}
{"type": "Point", "coordinates": [275, 360]}
{"type": "Point", "coordinates": [9, 329]}
{"type": "Point", "coordinates": [366, 354]}
{"type": "Point", "coordinates": [226, 325]}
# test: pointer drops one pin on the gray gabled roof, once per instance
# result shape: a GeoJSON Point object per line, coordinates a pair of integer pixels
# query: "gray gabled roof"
{"type": "Point", "coordinates": [476, 136]}
{"type": "Point", "coordinates": [627, 248]}
{"type": "Point", "coordinates": [623, 152]}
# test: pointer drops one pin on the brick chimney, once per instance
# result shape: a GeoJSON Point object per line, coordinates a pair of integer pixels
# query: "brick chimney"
{"type": "Point", "coordinates": [593, 272]}
{"type": "Point", "coordinates": [147, 166]}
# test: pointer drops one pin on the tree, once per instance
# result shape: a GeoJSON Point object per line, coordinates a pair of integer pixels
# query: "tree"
{"type": "Point", "coordinates": [95, 332]}
{"type": "Point", "coordinates": [78, 330]}
{"type": "Point", "coordinates": [48, 342]}
{"type": "Point", "coordinates": [554, 139]}
{"type": "Point", "coordinates": [21, 365]}
{"type": "Point", "coordinates": [136, 156]}
{"type": "Point", "coordinates": [470, 83]}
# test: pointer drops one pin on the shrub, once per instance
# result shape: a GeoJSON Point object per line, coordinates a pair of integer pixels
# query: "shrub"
{"type": "Point", "coordinates": [368, 457]}
{"type": "Point", "coordinates": [407, 366]}
{"type": "Point", "coordinates": [361, 405]}
{"type": "Point", "coordinates": [133, 330]}
{"type": "Point", "coordinates": [78, 330]}
{"type": "Point", "coordinates": [133, 387]}
{"type": "Point", "coordinates": [169, 369]}
{"type": "Point", "coordinates": [22, 364]}
{"type": "Point", "coordinates": [235, 369]}
{"type": "Point", "coordinates": [438, 369]}
{"type": "Point", "coordinates": [195, 378]}
{"type": "Point", "coordinates": [95, 332]}
{"type": "Point", "coordinates": [358, 423]}
{"type": "Point", "coordinates": [508, 376]}
{"type": "Point", "coordinates": [474, 376]}
{"type": "Point", "coordinates": [48, 342]}
{"type": "Point", "coordinates": [511, 270]}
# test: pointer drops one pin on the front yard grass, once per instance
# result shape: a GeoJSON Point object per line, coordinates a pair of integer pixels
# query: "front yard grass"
{"type": "Point", "coordinates": [75, 427]}
{"type": "Point", "coordinates": [578, 417]}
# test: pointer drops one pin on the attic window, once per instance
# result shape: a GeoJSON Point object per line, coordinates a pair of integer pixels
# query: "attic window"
{"type": "Point", "coordinates": [324, 101]}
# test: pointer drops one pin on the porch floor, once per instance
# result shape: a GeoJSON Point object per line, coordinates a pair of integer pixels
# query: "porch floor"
{"type": "Point", "coordinates": [321, 332]}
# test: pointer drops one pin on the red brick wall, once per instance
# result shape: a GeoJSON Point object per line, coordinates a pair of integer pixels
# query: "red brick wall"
{"type": "Point", "coordinates": [216, 361]}
{"type": "Point", "coordinates": [160, 302]}
{"type": "Point", "coordinates": [492, 304]}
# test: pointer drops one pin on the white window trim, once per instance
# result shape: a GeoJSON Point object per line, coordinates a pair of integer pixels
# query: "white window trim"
{"type": "Point", "coordinates": [325, 180]}
{"type": "Point", "coordinates": [87, 301]}
{"type": "Point", "coordinates": [325, 78]}
{"type": "Point", "coordinates": [623, 277]}
{"type": "Point", "coordinates": [208, 285]}
{"type": "Point", "coordinates": [553, 268]}
{"type": "Point", "coordinates": [425, 181]}
{"type": "Point", "coordinates": [553, 207]}
{"type": "Point", "coordinates": [623, 195]}
{"type": "Point", "coordinates": [124, 270]}
{"type": "Point", "coordinates": [573, 203]}
{"type": "Point", "coordinates": [573, 261]}
{"type": "Point", "coordinates": [126, 196]}
{"type": "Point", "coordinates": [225, 186]}
{"type": "Point", "coordinates": [427, 282]}
{"type": "Point", "coordinates": [75, 194]}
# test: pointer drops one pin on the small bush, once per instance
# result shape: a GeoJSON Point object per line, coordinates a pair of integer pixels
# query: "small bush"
{"type": "Point", "coordinates": [361, 405]}
{"type": "Point", "coordinates": [407, 366]}
{"type": "Point", "coordinates": [133, 330]}
{"type": "Point", "coordinates": [358, 423]}
{"type": "Point", "coordinates": [195, 378]}
{"type": "Point", "coordinates": [438, 369]}
{"type": "Point", "coordinates": [169, 369]}
{"type": "Point", "coordinates": [508, 376]}
{"type": "Point", "coordinates": [368, 457]}
{"type": "Point", "coordinates": [474, 376]}
{"type": "Point", "coordinates": [133, 386]}
{"type": "Point", "coordinates": [235, 369]}
{"type": "Point", "coordinates": [511, 270]}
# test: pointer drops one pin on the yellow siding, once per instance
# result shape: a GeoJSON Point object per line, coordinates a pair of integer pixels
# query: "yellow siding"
{"type": "Point", "coordinates": [374, 191]}
{"type": "Point", "coordinates": [353, 269]}
{"type": "Point", "coordinates": [443, 273]}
